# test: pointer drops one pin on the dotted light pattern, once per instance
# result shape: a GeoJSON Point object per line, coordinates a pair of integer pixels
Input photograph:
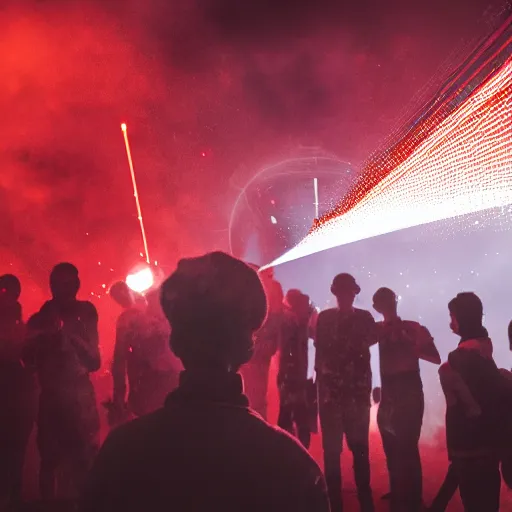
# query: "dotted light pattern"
{"type": "Point", "coordinates": [462, 167]}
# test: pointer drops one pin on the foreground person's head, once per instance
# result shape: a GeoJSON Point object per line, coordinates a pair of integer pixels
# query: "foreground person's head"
{"type": "Point", "coordinates": [466, 314]}
{"type": "Point", "coordinates": [64, 281]}
{"type": "Point", "coordinates": [214, 305]}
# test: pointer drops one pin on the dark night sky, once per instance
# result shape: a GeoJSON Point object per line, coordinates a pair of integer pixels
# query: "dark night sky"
{"type": "Point", "coordinates": [245, 83]}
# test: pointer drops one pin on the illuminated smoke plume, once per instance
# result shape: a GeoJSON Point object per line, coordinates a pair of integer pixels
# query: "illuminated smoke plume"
{"type": "Point", "coordinates": [464, 166]}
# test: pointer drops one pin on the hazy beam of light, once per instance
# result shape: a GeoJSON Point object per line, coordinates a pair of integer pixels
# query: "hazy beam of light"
{"type": "Point", "coordinates": [135, 193]}
{"type": "Point", "coordinates": [464, 167]}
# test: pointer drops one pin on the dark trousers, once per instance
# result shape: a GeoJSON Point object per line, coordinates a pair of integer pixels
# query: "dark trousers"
{"type": "Point", "coordinates": [68, 432]}
{"type": "Point", "coordinates": [400, 418]}
{"type": "Point", "coordinates": [294, 418]}
{"type": "Point", "coordinates": [479, 483]}
{"type": "Point", "coordinates": [351, 419]}
{"type": "Point", "coordinates": [16, 426]}
{"type": "Point", "coordinates": [447, 490]}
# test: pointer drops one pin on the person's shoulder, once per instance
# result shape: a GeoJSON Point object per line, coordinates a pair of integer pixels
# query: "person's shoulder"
{"type": "Point", "coordinates": [88, 308]}
{"type": "Point", "coordinates": [327, 313]}
{"type": "Point", "coordinates": [412, 323]}
{"type": "Point", "coordinates": [286, 446]}
{"type": "Point", "coordinates": [364, 315]}
{"type": "Point", "coordinates": [129, 434]}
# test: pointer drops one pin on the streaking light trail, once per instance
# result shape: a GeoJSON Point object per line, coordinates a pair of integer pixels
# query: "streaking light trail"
{"type": "Point", "coordinates": [135, 193]}
{"type": "Point", "coordinates": [464, 166]}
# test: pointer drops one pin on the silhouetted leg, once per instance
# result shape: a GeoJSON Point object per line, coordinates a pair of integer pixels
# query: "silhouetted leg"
{"type": "Point", "coordinates": [47, 477]}
{"type": "Point", "coordinates": [49, 437]}
{"type": "Point", "coordinates": [407, 419]}
{"type": "Point", "coordinates": [302, 422]}
{"type": "Point", "coordinates": [83, 440]}
{"type": "Point", "coordinates": [356, 419]}
{"type": "Point", "coordinates": [479, 484]}
{"type": "Point", "coordinates": [284, 420]}
{"type": "Point", "coordinates": [332, 441]}
{"type": "Point", "coordinates": [388, 439]}
{"type": "Point", "coordinates": [446, 492]}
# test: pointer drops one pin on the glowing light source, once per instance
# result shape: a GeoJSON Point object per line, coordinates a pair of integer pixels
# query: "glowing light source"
{"type": "Point", "coordinates": [141, 280]}
{"type": "Point", "coordinates": [273, 219]}
{"type": "Point", "coordinates": [463, 166]}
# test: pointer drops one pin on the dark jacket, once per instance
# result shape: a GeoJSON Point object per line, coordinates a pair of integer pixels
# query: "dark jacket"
{"type": "Point", "coordinates": [205, 450]}
{"type": "Point", "coordinates": [472, 436]}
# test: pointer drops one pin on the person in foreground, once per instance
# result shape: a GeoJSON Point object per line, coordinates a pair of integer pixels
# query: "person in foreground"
{"type": "Point", "coordinates": [205, 449]}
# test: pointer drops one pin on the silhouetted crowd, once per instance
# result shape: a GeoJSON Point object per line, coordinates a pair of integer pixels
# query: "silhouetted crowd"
{"type": "Point", "coordinates": [188, 411]}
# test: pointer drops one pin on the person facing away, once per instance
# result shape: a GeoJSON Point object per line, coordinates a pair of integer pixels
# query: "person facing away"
{"type": "Point", "coordinates": [292, 377]}
{"type": "Point", "coordinates": [402, 343]}
{"type": "Point", "coordinates": [18, 399]}
{"type": "Point", "coordinates": [206, 449]}
{"type": "Point", "coordinates": [342, 363]}
{"type": "Point", "coordinates": [63, 349]}
{"type": "Point", "coordinates": [266, 342]}
{"type": "Point", "coordinates": [141, 356]}
{"type": "Point", "coordinates": [473, 431]}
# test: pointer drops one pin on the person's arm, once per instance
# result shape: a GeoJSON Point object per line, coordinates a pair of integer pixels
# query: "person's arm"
{"type": "Point", "coordinates": [119, 363]}
{"type": "Point", "coordinates": [313, 320]}
{"type": "Point", "coordinates": [87, 346]}
{"type": "Point", "coordinates": [455, 389]}
{"type": "Point", "coordinates": [320, 342]}
{"type": "Point", "coordinates": [372, 333]}
{"type": "Point", "coordinates": [426, 347]}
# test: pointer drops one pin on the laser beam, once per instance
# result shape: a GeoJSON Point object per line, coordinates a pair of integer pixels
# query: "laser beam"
{"type": "Point", "coordinates": [135, 192]}
{"type": "Point", "coordinates": [464, 166]}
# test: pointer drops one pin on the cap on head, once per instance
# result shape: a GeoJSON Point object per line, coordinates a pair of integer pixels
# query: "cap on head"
{"type": "Point", "coordinates": [214, 304]}
{"type": "Point", "coordinates": [64, 281]}
{"type": "Point", "coordinates": [343, 283]}
{"type": "Point", "coordinates": [10, 287]}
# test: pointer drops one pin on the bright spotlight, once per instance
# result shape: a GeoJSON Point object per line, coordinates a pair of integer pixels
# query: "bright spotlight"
{"type": "Point", "coordinates": [273, 219]}
{"type": "Point", "coordinates": [141, 280]}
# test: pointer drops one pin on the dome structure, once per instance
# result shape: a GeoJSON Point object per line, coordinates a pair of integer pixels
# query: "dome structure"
{"type": "Point", "coordinates": [277, 207]}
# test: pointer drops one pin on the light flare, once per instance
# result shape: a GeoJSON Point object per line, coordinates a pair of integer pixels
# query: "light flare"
{"type": "Point", "coordinates": [140, 281]}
